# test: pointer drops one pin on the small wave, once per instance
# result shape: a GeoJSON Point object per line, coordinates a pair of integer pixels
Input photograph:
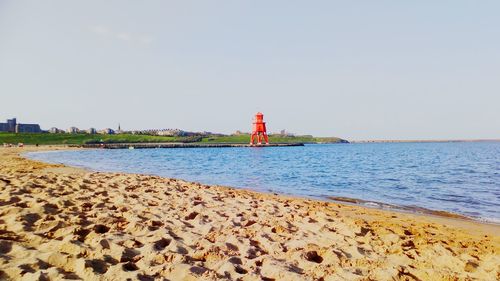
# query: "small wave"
{"type": "Point", "coordinates": [488, 220]}
{"type": "Point", "coordinates": [410, 209]}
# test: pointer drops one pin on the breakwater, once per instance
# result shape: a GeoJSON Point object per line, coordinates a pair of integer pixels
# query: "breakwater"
{"type": "Point", "coordinates": [181, 145]}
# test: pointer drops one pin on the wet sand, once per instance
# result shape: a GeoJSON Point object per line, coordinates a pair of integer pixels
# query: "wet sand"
{"type": "Point", "coordinates": [59, 222]}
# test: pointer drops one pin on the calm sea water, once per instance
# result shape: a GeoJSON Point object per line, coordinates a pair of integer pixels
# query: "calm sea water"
{"type": "Point", "coordinates": [463, 178]}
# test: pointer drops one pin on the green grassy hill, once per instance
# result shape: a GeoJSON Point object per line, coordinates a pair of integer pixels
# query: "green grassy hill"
{"type": "Point", "coordinates": [46, 138]}
{"type": "Point", "coordinates": [273, 139]}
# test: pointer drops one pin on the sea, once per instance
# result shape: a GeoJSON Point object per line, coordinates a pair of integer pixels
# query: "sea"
{"type": "Point", "coordinates": [456, 177]}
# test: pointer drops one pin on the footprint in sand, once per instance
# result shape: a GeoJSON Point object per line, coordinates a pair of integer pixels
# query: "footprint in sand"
{"type": "Point", "coordinates": [240, 270]}
{"type": "Point", "coordinates": [130, 255]}
{"type": "Point", "coordinates": [30, 220]}
{"type": "Point", "coordinates": [5, 247]}
{"type": "Point", "coordinates": [162, 244]}
{"type": "Point", "coordinates": [191, 216]}
{"type": "Point", "coordinates": [130, 266]}
{"type": "Point", "coordinates": [86, 207]}
{"type": "Point", "coordinates": [101, 229]}
{"type": "Point", "coordinates": [81, 233]}
{"type": "Point", "coordinates": [154, 225]}
{"type": "Point", "coordinates": [235, 260]}
{"type": "Point", "coordinates": [97, 265]}
{"type": "Point", "coordinates": [313, 256]}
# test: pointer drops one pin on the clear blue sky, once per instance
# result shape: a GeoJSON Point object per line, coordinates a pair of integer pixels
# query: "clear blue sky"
{"type": "Point", "coordinates": [354, 69]}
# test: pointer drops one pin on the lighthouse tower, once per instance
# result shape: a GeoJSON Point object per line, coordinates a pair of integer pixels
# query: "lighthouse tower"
{"type": "Point", "coordinates": [259, 129]}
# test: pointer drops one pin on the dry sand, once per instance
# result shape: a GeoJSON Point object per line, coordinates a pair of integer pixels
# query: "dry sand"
{"type": "Point", "coordinates": [59, 223]}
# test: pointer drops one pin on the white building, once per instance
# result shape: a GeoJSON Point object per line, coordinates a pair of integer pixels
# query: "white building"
{"type": "Point", "coordinates": [73, 130]}
{"type": "Point", "coordinates": [55, 130]}
{"type": "Point", "coordinates": [107, 131]}
{"type": "Point", "coordinates": [92, 131]}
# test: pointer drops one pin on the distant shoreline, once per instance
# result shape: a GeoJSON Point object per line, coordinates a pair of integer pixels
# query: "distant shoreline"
{"type": "Point", "coordinates": [98, 139]}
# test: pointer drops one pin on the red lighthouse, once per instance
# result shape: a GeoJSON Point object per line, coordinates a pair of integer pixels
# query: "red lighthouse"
{"type": "Point", "coordinates": [259, 129]}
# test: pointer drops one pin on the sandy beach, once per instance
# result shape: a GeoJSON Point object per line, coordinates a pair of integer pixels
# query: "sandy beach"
{"type": "Point", "coordinates": [58, 222]}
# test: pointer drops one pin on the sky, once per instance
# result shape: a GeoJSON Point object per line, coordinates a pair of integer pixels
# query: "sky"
{"type": "Point", "coordinates": [354, 69]}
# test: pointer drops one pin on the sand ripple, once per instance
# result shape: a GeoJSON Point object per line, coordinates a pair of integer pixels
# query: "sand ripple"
{"type": "Point", "coordinates": [62, 223]}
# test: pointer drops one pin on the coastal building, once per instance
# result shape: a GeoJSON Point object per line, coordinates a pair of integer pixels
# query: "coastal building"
{"type": "Point", "coordinates": [92, 131]}
{"type": "Point", "coordinates": [170, 132]}
{"type": "Point", "coordinates": [73, 130]}
{"type": "Point", "coordinates": [55, 130]}
{"type": "Point", "coordinates": [161, 132]}
{"type": "Point", "coordinates": [285, 133]}
{"type": "Point", "coordinates": [14, 127]}
{"type": "Point", "coordinates": [107, 131]}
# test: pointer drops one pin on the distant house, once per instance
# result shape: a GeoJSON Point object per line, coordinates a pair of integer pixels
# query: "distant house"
{"type": "Point", "coordinates": [14, 127]}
